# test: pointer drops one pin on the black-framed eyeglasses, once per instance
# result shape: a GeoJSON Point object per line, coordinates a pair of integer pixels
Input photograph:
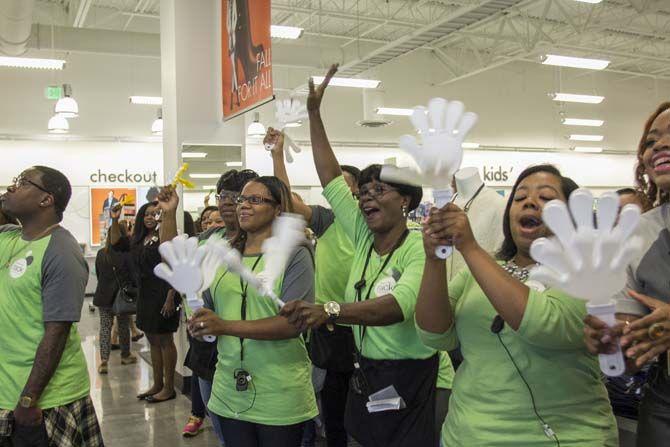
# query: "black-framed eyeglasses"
{"type": "Point", "coordinates": [20, 181]}
{"type": "Point", "coordinates": [375, 192]}
{"type": "Point", "coordinates": [254, 199]}
{"type": "Point", "coordinates": [223, 195]}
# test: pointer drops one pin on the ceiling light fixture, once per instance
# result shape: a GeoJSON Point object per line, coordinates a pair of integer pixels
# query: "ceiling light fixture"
{"type": "Point", "coordinates": [193, 154]}
{"type": "Point", "coordinates": [574, 62]}
{"type": "Point", "coordinates": [588, 149]}
{"type": "Point", "coordinates": [285, 32]}
{"type": "Point", "coordinates": [146, 100]}
{"type": "Point", "coordinates": [204, 175]}
{"type": "Point", "coordinates": [58, 124]}
{"type": "Point", "coordinates": [582, 122]}
{"type": "Point", "coordinates": [467, 145]}
{"type": "Point", "coordinates": [209, 187]}
{"type": "Point", "coordinates": [593, 2]}
{"type": "Point", "coordinates": [256, 129]}
{"type": "Point", "coordinates": [157, 125]}
{"type": "Point", "coordinates": [294, 124]}
{"type": "Point", "coordinates": [67, 107]}
{"type": "Point", "coordinates": [577, 137]}
{"type": "Point", "coordinates": [29, 62]}
{"type": "Point", "coordinates": [395, 111]}
{"type": "Point", "coordinates": [234, 164]}
{"type": "Point", "coordinates": [572, 97]}
{"type": "Point", "coordinates": [348, 82]}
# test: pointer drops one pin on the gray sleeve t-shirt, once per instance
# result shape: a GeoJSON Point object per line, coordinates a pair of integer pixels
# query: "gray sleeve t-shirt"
{"type": "Point", "coordinates": [322, 219]}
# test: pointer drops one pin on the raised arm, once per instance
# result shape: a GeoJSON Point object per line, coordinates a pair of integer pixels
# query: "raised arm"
{"type": "Point", "coordinates": [276, 138]}
{"type": "Point", "coordinates": [326, 164]}
{"type": "Point", "coordinates": [168, 201]}
{"type": "Point", "coordinates": [115, 229]}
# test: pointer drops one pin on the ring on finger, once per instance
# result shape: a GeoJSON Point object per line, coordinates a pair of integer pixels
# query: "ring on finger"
{"type": "Point", "coordinates": [202, 324]}
{"type": "Point", "coordinates": [656, 331]}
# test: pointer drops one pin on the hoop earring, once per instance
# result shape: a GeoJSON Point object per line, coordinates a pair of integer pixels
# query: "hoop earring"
{"type": "Point", "coordinates": [404, 210]}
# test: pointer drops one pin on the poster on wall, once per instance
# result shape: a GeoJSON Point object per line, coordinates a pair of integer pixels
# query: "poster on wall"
{"type": "Point", "coordinates": [246, 55]}
{"type": "Point", "coordinates": [102, 200]}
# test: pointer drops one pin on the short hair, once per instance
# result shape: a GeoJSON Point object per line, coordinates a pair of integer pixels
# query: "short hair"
{"type": "Point", "coordinates": [58, 186]}
{"type": "Point", "coordinates": [235, 180]}
{"type": "Point", "coordinates": [508, 249]}
{"type": "Point", "coordinates": [352, 170]}
{"type": "Point", "coordinates": [373, 172]}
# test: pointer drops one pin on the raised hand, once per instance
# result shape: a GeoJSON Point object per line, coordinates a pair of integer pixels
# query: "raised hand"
{"type": "Point", "coordinates": [274, 140]}
{"type": "Point", "coordinates": [587, 261]}
{"type": "Point", "coordinates": [168, 199]}
{"type": "Point", "coordinates": [316, 94]}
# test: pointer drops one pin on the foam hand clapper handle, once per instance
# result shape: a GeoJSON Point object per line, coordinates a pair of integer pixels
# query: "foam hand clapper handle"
{"type": "Point", "coordinates": [288, 230]}
{"type": "Point", "coordinates": [183, 270]}
{"type": "Point", "coordinates": [587, 261]}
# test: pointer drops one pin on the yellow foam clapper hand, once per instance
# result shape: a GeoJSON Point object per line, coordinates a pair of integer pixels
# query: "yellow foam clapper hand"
{"type": "Point", "coordinates": [180, 180]}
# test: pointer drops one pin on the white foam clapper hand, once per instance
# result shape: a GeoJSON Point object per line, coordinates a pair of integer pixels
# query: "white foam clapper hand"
{"type": "Point", "coordinates": [588, 256]}
{"type": "Point", "coordinates": [232, 260]}
{"type": "Point", "coordinates": [289, 111]}
{"type": "Point", "coordinates": [184, 269]}
{"type": "Point", "coordinates": [288, 230]}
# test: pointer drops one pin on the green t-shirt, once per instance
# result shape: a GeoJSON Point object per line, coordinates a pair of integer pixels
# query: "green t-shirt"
{"type": "Point", "coordinates": [40, 281]}
{"type": "Point", "coordinates": [334, 252]}
{"type": "Point", "coordinates": [280, 391]}
{"type": "Point", "coordinates": [401, 278]}
{"type": "Point", "coordinates": [491, 406]}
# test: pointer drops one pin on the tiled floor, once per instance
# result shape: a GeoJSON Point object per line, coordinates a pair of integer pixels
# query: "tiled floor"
{"type": "Point", "coordinates": [125, 421]}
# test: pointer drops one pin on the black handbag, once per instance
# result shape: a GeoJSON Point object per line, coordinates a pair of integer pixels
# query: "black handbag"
{"type": "Point", "coordinates": [125, 300]}
{"type": "Point", "coordinates": [332, 350]}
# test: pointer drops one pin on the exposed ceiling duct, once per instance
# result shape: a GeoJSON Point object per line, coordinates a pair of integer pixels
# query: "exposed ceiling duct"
{"type": "Point", "coordinates": [15, 24]}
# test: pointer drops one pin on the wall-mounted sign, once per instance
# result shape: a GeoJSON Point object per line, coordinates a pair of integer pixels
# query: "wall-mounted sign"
{"type": "Point", "coordinates": [247, 55]}
{"type": "Point", "coordinates": [124, 177]}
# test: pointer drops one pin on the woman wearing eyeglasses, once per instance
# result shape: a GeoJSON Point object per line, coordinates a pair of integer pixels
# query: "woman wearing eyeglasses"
{"type": "Point", "coordinates": [262, 390]}
{"type": "Point", "coordinates": [379, 300]}
{"type": "Point", "coordinates": [158, 324]}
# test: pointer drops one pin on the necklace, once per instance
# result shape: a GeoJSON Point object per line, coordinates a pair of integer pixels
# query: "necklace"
{"type": "Point", "coordinates": [14, 253]}
{"type": "Point", "coordinates": [520, 273]}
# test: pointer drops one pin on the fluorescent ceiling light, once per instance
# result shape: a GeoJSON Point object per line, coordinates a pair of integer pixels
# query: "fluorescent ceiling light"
{"type": "Point", "coordinates": [209, 187]}
{"type": "Point", "coordinates": [294, 124]}
{"type": "Point", "coordinates": [348, 82]}
{"type": "Point", "coordinates": [571, 97]}
{"type": "Point", "coordinates": [467, 145]}
{"type": "Point", "coordinates": [576, 137]}
{"type": "Point", "coordinates": [574, 62]}
{"type": "Point", "coordinates": [193, 154]}
{"type": "Point", "coordinates": [589, 1]}
{"type": "Point", "coordinates": [588, 149]}
{"type": "Point", "coordinates": [285, 32]}
{"type": "Point", "coordinates": [29, 62]}
{"type": "Point", "coordinates": [204, 175]}
{"type": "Point", "coordinates": [146, 100]}
{"type": "Point", "coordinates": [58, 124]}
{"type": "Point", "coordinates": [234, 164]}
{"type": "Point", "coordinates": [395, 111]}
{"type": "Point", "coordinates": [582, 122]}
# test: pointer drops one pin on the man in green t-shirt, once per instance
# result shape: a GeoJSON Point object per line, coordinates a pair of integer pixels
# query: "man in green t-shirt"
{"type": "Point", "coordinates": [44, 384]}
{"type": "Point", "coordinates": [333, 260]}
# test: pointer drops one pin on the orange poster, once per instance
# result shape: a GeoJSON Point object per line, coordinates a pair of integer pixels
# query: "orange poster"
{"type": "Point", "coordinates": [102, 200]}
{"type": "Point", "coordinates": [246, 55]}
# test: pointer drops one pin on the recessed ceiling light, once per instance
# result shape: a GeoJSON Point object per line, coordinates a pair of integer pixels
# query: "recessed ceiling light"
{"type": "Point", "coordinates": [582, 122]}
{"type": "Point", "coordinates": [571, 97]}
{"type": "Point", "coordinates": [146, 100]}
{"type": "Point", "coordinates": [574, 62]}
{"type": "Point", "coordinates": [234, 164]}
{"type": "Point", "coordinates": [577, 137]}
{"type": "Point", "coordinates": [194, 154]}
{"type": "Point", "coordinates": [285, 32]}
{"type": "Point", "coordinates": [209, 187]}
{"type": "Point", "coordinates": [204, 175]}
{"type": "Point", "coordinates": [348, 82]}
{"type": "Point", "coordinates": [294, 124]}
{"type": "Point", "coordinates": [395, 111]}
{"type": "Point", "coordinates": [467, 145]}
{"type": "Point", "coordinates": [29, 62]}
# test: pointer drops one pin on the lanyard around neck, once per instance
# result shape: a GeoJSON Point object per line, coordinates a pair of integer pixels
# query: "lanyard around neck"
{"type": "Point", "coordinates": [243, 305]}
{"type": "Point", "coordinates": [362, 283]}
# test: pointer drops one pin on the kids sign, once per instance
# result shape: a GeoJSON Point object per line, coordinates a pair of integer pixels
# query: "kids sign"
{"type": "Point", "coordinates": [247, 55]}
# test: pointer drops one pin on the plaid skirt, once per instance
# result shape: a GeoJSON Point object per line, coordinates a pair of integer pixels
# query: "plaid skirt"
{"type": "Point", "coordinates": [71, 425]}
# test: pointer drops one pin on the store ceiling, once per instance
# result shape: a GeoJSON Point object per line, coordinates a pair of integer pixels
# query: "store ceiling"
{"type": "Point", "coordinates": [466, 37]}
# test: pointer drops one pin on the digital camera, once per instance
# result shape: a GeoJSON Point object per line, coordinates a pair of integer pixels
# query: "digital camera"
{"type": "Point", "coordinates": [242, 379]}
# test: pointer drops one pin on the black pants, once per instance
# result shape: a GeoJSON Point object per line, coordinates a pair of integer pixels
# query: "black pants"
{"type": "Point", "coordinates": [248, 434]}
{"type": "Point", "coordinates": [333, 404]}
{"type": "Point", "coordinates": [26, 436]}
{"type": "Point", "coordinates": [653, 427]}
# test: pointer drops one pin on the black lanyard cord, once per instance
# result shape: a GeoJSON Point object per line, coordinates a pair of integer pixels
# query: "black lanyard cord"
{"type": "Point", "coordinates": [362, 283]}
{"type": "Point", "coordinates": [243, 306]}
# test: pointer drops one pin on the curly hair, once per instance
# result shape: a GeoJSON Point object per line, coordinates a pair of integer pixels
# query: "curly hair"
{"type": "Point", "coordinates": [645, 185]}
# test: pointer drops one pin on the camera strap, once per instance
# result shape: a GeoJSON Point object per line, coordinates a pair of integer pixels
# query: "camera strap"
{"type": "Point", "coordinates": [243, 305]}
{"type": "Point", "coordinates": [362, 283]}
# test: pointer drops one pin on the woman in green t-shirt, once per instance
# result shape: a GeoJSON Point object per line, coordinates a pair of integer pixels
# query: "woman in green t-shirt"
{"type": "Point", "coordinates": [262, 389]}
{"type": "Point", "coordinates": [526, 378]}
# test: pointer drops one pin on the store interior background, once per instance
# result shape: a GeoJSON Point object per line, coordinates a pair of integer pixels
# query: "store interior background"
{"type": "Point", "coordinates": [171, 48]}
